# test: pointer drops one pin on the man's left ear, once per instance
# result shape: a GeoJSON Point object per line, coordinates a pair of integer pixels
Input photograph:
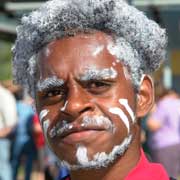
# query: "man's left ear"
{"type": "Point", "coordinates": [145, 96]}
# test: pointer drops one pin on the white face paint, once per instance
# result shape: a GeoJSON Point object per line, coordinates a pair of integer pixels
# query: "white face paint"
{"type": "Point", "coordinates": [60, 128]}
{"type": "Point", "coordinates": [47, 51]}
{"type": "Point", "coordinates": [100, 159]}
{"type": "Point", "coordinates": [113, 49]}
{"type": "Point", "coordinates": [98, 74]}
{"type": "Point", "coordinates": [124, 102]}
{"type": "Point", "coordinates": [43, 114]}
{"type": "Point", "coordinates": [98, 50]}
{"type": "Point", "coordinates": [51, 82]}
{"type": "Point", "coordinates": [100, 121]}
{"type": "Point", "coordinates": [142, 78]}
{"type": "Point", "coordinates": [64, 107]}
{"type": "Point", "coordinates": [121, 114]}
{"type": "Point", "coordinates": [114, 63]}
{"type": "Point", "coordinates": [81, 155]}
{"type": "Point", "coordinates": [126, 73]}
{"type": "Point", "coordinates": [45, 126]}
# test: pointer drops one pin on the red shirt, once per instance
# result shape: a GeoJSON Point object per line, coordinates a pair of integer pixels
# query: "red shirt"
{"type": "Point", "coordinates": [146, 170]}
{"type": "Point", "coordinates": [38, 136]}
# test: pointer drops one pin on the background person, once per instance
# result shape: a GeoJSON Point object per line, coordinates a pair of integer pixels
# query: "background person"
{"type": "Point", "coordinates": [8, 120]}
{"type": "Point", "coordinates": [24, 149]}
{"type": "Point", "coordinates": [164, 136]}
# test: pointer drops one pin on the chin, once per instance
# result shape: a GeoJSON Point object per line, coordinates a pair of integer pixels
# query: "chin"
{"type": "Point", "coordinates": [100, 159]}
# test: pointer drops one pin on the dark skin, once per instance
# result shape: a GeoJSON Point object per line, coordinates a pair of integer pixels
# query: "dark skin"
{"type": "Point", "coordinates": [68, 59]}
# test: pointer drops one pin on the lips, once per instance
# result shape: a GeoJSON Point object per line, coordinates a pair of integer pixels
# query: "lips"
{"type": "Point", "coordinates": [73, 133]}
{"type": "Point", "coordinates": [80, 129]}
{"type": "Point", "coordinates": [76, 135]}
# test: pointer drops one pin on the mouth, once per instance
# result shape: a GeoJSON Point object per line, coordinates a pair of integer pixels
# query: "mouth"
{"type": "Point", "coordinates": [80, 134]}
{"type": "Point", "coordinates": [73, 133]}
{"type": "Point", "coordinates": [81, 129]}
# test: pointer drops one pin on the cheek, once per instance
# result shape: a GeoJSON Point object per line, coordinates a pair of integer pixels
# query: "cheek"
{"type": "Point", "coordinates": [119, 112]}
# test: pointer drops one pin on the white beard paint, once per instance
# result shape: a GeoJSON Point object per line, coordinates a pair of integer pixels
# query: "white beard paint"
{"type": "Point", "coordinates": [100, 159]}
{"type": "Point", "coordinates": [99, 121]}
{"type": "Point", "coordinates": [81, 155]}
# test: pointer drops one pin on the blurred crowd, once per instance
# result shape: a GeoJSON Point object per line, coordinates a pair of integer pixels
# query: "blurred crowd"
{"type": "Point", "coordinates": [24, 154]}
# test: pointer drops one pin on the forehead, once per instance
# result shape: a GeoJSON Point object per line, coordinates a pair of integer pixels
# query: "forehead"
{"type": "Point", "coordinates": [76, 54]}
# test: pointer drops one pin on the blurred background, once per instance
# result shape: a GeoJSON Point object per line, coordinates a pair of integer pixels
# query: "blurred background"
{"type": "Point", "coordinates": [164, 12]}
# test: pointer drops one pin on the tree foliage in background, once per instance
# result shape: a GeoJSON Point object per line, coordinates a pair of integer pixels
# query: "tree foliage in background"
{"type": "Point", "coordinates": [5, 60]}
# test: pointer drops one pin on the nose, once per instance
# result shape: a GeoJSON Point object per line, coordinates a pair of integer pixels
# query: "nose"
{"type": "Point", "coordinates": [78, 101]}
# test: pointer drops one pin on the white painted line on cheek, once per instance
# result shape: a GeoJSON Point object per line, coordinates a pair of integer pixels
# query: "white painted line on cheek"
{"type": "Point", "coordinates": [124, 102]}
{"type": "Point", "coordinates": [81, 155]}
{"type": "Point", "coordinates": [45, 127]}
{"type": "Point", "coordinates": [43, 114]}
{"type": "Point", "coordinates": [122, 116]}
{"type": "Point", "coordinates": [64, 107]}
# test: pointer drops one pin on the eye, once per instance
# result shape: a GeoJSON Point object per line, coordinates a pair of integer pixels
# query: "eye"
{"type": "Point", "coordinates": [54, 93]}
{"type": "Point", "coordinates": [98, 87]}
{"type": "Point", "coordinates": [96, 84]}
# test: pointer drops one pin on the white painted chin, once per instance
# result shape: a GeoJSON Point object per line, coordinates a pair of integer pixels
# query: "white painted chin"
{"type": "Point", "coordinates": [100, 159]}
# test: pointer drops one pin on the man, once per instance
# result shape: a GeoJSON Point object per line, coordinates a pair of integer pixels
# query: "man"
{"type": "Point", "coordinates": [8, 120]}
{"type": "Point", "coordinates": [87, 64]}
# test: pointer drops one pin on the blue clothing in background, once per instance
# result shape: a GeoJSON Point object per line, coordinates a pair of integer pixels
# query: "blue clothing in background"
{"type": "Point", "coordinates": [23, 143]}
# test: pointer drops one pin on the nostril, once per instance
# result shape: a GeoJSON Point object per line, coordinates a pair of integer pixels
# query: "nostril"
{"type": "Point", "coordinates": [85, 109]}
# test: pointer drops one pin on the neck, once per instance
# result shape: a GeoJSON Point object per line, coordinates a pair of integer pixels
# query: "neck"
{"type": "Point", "coordinates": [117, 170]}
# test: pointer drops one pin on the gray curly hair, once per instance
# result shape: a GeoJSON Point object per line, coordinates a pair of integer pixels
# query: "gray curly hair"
{"type": "Point", "coordinates": [139, 42]}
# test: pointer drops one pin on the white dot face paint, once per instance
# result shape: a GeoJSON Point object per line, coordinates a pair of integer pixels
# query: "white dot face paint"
{"type": "Point", "coordinates": [114, 64]}
{"type": "Point", "coordinates": [98, 50]}
{"type": "Point", "coordinates": [122, 115]}
{"type": "Point", "coordinates": [64, 107]}
{"type": "Point", "coordinates": [124, 102]}
{"type": "Point", "coordinates": [43, 114]}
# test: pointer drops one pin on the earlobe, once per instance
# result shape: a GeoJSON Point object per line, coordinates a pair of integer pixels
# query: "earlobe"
{"type": "Point", "coordinates": [145, 96]}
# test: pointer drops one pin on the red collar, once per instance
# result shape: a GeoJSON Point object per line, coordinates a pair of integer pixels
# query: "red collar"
{"type": "Point", "coordinates": [145, 170]}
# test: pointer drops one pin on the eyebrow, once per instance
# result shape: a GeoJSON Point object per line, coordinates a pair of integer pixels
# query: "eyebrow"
{"type": "Point", "coordinates": [49, 83]}
{"type": "Point", "coordinates": [98, 74]}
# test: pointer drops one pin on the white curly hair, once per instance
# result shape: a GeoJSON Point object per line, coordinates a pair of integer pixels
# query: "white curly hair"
{"type": "Point", "coordinates": [139, 42]}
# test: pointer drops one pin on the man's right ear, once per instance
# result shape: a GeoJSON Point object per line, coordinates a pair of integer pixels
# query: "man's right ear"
{"type": "Point", "coordinates": [145, 96]}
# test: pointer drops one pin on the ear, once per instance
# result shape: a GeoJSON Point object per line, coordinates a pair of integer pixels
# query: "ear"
{"type": "Point", "coordinates": [145, 96]}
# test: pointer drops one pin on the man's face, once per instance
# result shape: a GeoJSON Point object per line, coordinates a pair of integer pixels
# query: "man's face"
{"type": "Point", "coordinates": [85, 98]}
